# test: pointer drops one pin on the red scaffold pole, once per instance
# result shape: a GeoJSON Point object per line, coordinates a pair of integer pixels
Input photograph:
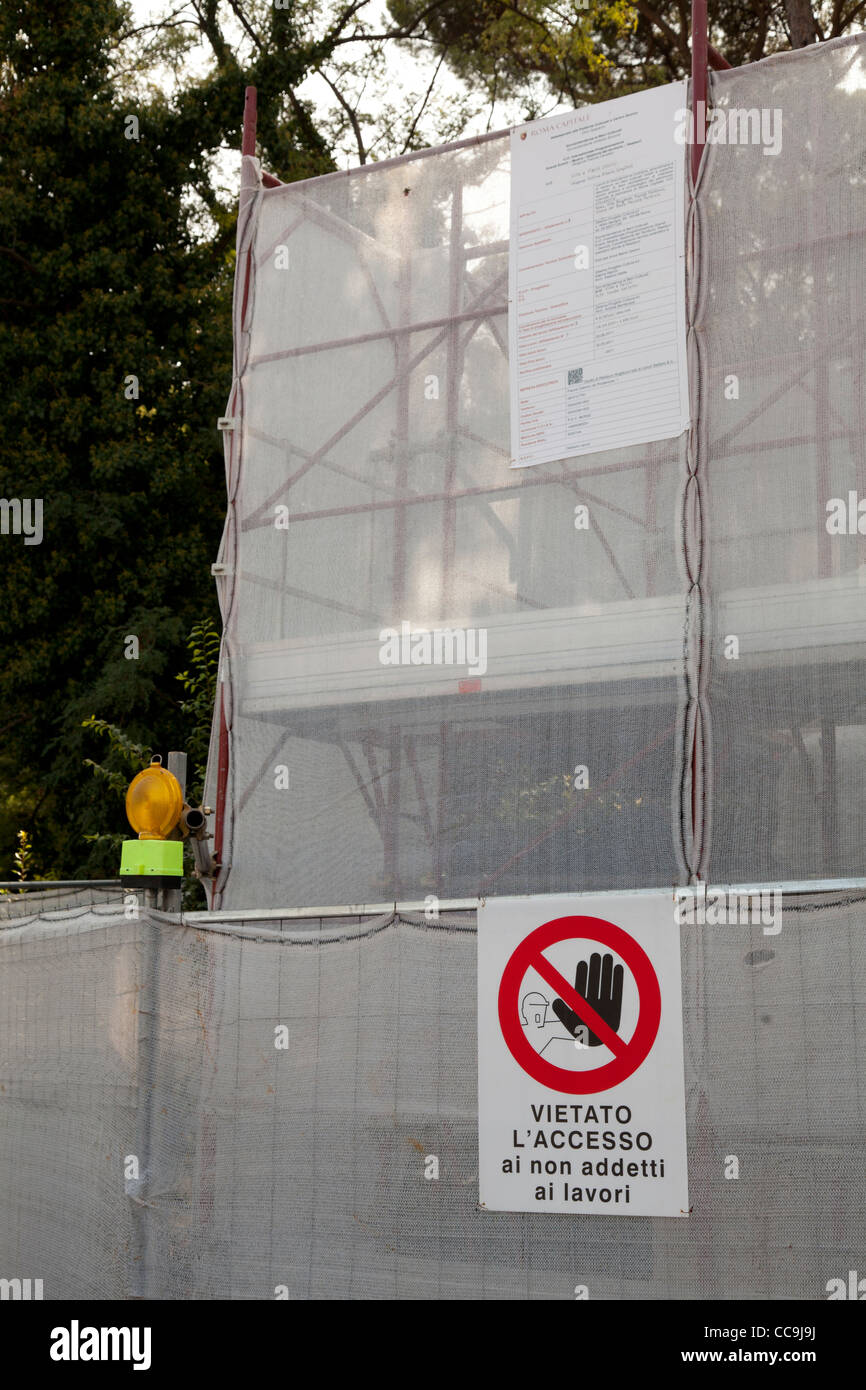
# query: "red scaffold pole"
{"type": "Point", "coordinates": [248, 147]}
{"type": "Point", "coordinates": [699, 82]}
{"type": "Point", "coordinates": [248, 144]}
{"type": "Point", "coordinates": [249, 141]}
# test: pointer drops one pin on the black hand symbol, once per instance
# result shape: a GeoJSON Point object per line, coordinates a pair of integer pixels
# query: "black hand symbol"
{"type": "Point", "coordinates": [602, 991]}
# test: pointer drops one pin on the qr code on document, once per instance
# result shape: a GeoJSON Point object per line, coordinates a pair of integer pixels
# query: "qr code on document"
{"type": "Point", "coordinates": [575, 374]}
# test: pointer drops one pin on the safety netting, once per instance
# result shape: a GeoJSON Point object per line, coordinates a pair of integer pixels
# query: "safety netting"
{"type": "Point", "coordinates": [369, 486]}
{"type": "Point", "coordinates": [265, 1172]}
{"type": "Point", "coordinates": [371, 490]}
{"type": "Point", "coordinates": [674, 690]}
{"type": "Point", "coordinates": [779, 325]}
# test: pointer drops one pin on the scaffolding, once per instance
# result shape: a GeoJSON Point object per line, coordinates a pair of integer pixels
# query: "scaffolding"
{"type": "Point", "coordinates": [407, 259]}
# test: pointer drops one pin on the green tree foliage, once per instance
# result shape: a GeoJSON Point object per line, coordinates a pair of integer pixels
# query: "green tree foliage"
{"type": "Point", "coordinates": [100, 281]}
{"type": "Point", "coordinates": [530, 50]}
{"type": "Point", "coordinates": [123, 761]}
{"type": "Point", "coordinates": [199, 681]}
{"type": "Point", "coordinates": [579, 51]}
{"type": "Point", "coordinates": [116, 265]}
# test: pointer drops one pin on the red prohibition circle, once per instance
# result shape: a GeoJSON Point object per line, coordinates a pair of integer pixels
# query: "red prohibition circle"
{"type": "Point", "coordinates": [649, 1011]}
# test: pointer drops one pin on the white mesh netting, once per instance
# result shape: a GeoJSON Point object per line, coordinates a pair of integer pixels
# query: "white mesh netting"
{"type": "Point", "coordinates": [304, 1168]}
{"type": "Point", "coordinates": [369, 486]}
{"type": "Point", "coordinates": [371, 402]}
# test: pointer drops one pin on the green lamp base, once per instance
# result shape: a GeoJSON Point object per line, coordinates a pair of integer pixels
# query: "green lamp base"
{"type": "Point", "coordinates": [146, 858]}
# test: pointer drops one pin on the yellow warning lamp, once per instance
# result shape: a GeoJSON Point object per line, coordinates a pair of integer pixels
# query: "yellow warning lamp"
{"type": "Point", "coordinates": [154, 806]}
{"type": "Point", "coordinates": [154, 802]}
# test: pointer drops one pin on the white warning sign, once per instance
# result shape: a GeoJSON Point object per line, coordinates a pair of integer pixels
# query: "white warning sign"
{"type": "Point", "coordinates": [581, 1090]}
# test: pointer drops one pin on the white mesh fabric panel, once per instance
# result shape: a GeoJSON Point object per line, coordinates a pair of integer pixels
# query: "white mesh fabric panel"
{"type": "Point", "coordinates": [70, 983]}
{"type": "Point", "coordinates": [304, 1167]}
{"type": "Point", "coordinates": [371, 400]}
{"type": "Point", "coordinates": [782, 309]}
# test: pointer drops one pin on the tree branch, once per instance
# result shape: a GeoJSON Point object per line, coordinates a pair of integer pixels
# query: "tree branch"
{"type": "Point", "coordinates": [210, 28]}
{"type": "Point", "coordinates": [801, 22]}
{"type": "Point", "coordinates": [16, 256]}
{"type": "Point", "coordinates": [342, 20]}
{"type": "Point", "coordinates": [407, 32]}
{"type": "Point", "coordinates": [679, 42]}
{"type": "Point", "coordinates": [239, 14]}
{"type": "Point", "coordinates": [352, 115]}
{"type": "Point", "coordinates": [854, 13]}
{"type": "Point", "coordinates": [420, 110]}
{"type": "Point", "coordinates": [760, 43]}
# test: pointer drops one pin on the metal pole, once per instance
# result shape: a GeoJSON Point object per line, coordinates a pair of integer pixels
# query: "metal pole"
{"type": "Point", "coordinates": [202, 855]}
{"type": "Point", "coordinates": [222, 780]}
{"type": "Point", "coordinates": [47, 884]}
{"type": "Point", "coordinates": [147, 1042]}
{"type": "Point", "coordinates": [147, 1047]}
{"type": "Point", "coordinates": [171, 897]}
